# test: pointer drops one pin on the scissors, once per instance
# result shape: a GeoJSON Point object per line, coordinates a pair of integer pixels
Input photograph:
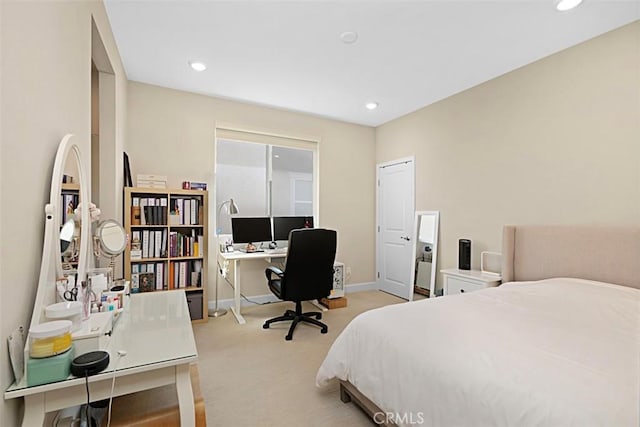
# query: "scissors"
{"type": "Point", "coordinates": [71, 295]}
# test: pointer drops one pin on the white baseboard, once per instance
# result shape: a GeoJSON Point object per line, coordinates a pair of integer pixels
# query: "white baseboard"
{"type": "Point", "coordinates": [360, 287]}
{"type": "Point", "coordinates": [261, 299]}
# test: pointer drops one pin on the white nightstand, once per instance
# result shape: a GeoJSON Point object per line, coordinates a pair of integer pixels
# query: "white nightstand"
{"type": "Point", "coordinates": [460, 281]}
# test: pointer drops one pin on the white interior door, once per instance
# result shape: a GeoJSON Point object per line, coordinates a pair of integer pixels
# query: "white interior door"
{"type": "Point", "coordinates": [394, 243]}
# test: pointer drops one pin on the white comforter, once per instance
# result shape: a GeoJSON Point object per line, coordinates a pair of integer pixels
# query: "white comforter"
{"type": "Point", "coordinates": [558, 352]}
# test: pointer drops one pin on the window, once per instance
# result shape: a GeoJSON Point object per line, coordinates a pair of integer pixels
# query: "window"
{"type": "Point", "coordinates": [263, 179]}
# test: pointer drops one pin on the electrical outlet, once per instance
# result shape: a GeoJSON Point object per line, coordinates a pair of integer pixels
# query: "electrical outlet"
{"type": "Point", "coordinates": [347, 271]}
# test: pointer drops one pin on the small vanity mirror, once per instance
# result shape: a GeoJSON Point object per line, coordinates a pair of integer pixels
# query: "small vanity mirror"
{"type": "Point", "coordinates": [109, 241]}
{"type": "Point", "coordinates": [110, 237]}
{"type": "Point", "coordinates": [425, 252]}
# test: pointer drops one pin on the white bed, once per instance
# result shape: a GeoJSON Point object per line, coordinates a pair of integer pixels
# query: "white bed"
{"type": "Point", "coordinates": [553, 352]}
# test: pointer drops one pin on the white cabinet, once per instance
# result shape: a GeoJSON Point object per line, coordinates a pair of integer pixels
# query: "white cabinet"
{"type": "Point", "coordinates": [461, 281]}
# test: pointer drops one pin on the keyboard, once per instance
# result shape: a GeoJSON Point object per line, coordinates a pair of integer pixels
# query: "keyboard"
{"type": "Point", "coordinates": [277, 251]}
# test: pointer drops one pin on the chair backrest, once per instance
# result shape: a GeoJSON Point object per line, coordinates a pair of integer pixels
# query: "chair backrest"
{"type": "Point", "coordinates": [308, 273]}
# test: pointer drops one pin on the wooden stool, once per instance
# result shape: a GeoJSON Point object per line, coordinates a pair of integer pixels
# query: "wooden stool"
{"type": "Point", "coordinates": [157, 407]}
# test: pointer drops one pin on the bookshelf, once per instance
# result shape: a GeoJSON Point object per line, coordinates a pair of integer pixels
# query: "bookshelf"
{"type": "Point", "coordinates": [167, 250]}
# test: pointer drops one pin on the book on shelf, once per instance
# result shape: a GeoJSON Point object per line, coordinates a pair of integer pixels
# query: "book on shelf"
{"type": "Point", "coordinates": [159, 276]}
{"type": "Point", "coordinates": [194, 212]}
{"type": "Point", "coordinates": [157, 245]}
{"type": "Point", "coordinates": [135, 278]}
{"type": "Point", "coordinates": [170, 276]}
{"type": "Point", "coordinates": [163, 210]}
{"type": "Point", "coordinates": [152, 241]}
{"type": "Point", "coordinates": [145, 243]}
{"type": "Point", "coordinates": [143, 211]}
{"type": "Point", "coordinates": [163, 251]}
{"type": "Point", "coordinates": [135, 211]}
{"type": "Point", "coordinates": [187, 212]}
{"type": "Point", "coordinates": [151, 210]}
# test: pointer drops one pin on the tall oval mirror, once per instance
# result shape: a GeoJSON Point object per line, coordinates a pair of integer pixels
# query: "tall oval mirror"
{"type": "Point", "coordinates": [425, 252]}
{"type": "Point", "coordinates": [66, 232]}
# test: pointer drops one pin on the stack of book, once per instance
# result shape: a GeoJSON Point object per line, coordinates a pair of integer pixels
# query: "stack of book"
{"type": "Point", "coordinates": [151, 181]}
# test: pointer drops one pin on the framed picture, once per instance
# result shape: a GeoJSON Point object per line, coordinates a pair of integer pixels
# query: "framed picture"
{"type": "Point", "coordinates": [127, 172]}
{"type": "Point", "coordinates": [147, 282]}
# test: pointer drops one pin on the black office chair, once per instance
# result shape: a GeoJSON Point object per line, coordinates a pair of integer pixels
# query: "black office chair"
{"type": "Point", "coordinates": [308, 275]}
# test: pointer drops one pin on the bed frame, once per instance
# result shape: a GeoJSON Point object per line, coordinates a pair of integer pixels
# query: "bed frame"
{"type": "Point", "coordinates": [536, 252]}
{"type": "Point", "coordinates": [350, 393]}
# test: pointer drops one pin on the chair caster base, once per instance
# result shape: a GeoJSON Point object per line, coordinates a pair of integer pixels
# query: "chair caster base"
{"type": "Point", "coordinates": [265, 326]}
{"type": "Point", "coordinates": [324, 331]}
{"type": "Point", "coordinates": [288, 338]}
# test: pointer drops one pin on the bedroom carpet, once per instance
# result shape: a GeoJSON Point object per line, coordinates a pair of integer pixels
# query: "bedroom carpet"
{"type": "Point", "coordinates": [251, 376]}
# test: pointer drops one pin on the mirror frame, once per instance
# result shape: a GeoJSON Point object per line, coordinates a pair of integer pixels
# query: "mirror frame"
{"type": "Point", "coordinates": [51, 265]}
{"type": "Point", "coordinates": [100, 239]}
{"type": "Point", "coordinates": [434, 251]}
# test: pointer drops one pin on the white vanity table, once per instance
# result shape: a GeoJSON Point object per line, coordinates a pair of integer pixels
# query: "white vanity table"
{"type": "Point", "coordinates": [150, 345]}
{"type": "Point", "coordinates": [155, 331]}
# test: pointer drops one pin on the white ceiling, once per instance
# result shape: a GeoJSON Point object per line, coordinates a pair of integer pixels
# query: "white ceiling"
{"type": "Point", "coordinates": [288, 54]}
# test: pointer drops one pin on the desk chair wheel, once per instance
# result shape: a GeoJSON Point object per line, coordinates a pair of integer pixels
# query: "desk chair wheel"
{"type": "Point", "coordinates": [265, 325]}
{"type": "Point", "coordinates": [324, 330]}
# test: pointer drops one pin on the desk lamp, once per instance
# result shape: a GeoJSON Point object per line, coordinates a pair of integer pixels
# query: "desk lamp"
{"type": "Point", "coordinates": [232, 210]}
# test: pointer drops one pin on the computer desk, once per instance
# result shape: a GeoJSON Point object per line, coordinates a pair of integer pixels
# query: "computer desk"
{"type": "Point", "coordinates": [237, 257]}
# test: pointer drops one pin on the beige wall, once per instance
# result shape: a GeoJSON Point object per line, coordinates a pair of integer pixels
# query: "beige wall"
{"type": "Point", "coordinates": [557, 141]}
{"type": "Point", "coordinates": [172, 133]}
{"type": "Point", "coordinates": [45, 84]}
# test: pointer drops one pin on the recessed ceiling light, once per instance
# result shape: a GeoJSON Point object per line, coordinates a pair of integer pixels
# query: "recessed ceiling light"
{"type": "Point", "coordinates": [371, 105]}
{"type": "Point", "coordinates": [563, 5]}
{"type": "Point", "coordinates": [198, 66]}
{"type": "Point", "coordinates": [349, 37]}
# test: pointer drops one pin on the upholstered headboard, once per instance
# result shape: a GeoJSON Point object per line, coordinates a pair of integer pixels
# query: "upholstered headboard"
{"type": "Point", "coordinates": [605, 254]}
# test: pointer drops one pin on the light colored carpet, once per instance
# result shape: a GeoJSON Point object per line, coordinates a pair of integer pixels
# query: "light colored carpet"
{"type": "Point", "coordinates": [252, 377]}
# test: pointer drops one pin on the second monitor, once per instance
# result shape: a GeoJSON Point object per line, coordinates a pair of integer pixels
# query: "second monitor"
{"type": "Point", "coordinates": [282, 225]}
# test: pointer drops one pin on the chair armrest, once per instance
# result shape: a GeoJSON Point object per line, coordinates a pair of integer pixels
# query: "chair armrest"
{"type": "Point", "coordinates": [271, 270]}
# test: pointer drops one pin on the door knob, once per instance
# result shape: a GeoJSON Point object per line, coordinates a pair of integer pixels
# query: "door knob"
{"type": "Point", "coordinates": [407, 238]}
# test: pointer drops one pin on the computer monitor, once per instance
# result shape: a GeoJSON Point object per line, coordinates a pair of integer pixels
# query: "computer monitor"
{"type": "Point", "coordinates": [282, 225]}
{"type": "Point", "coordinates": [251, 230]}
